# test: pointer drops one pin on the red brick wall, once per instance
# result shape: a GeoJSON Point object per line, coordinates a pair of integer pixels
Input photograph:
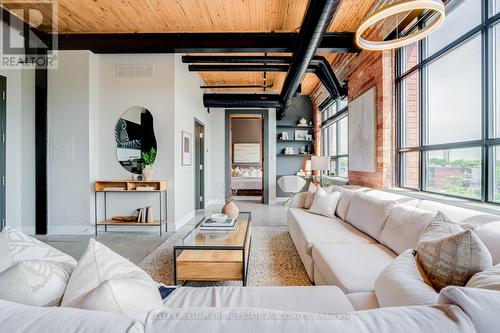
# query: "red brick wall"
{"type": "Point", "coordinates": [375, 69]}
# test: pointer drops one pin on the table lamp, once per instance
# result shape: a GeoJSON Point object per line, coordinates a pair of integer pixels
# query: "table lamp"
{"type": "Point", "coordinates": [320, 163]}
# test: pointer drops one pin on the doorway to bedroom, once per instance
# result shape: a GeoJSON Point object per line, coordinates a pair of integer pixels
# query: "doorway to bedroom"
{"type": "Point", "coordinates": [246, 154]}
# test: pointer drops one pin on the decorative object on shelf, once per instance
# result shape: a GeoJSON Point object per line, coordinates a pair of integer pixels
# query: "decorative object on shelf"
{"type": "Point", "coordinates": [114, 188]}
{"type": "Point", "coordinates": [400, 7]}
{"type": "Point", "coordinates": [284, 136]}
{"type": "Point", "coordinates": [320, 163]}
{"type": "Point", "coordinates": [301, 173]}
{"type": "Point", "coordinates": [289, 151]}
{"type": "Point", "coordinates": [138, 177]}
{"type": "Point", "coordinates": [310, 123]}
{"type": "Point", "coordinates": [187, 144]}
{"type": "Point", "coordinates": [218, 217]}
{"type": "Point", "coordinates": [230, 209]}
{"type": "Point", "coordinates": [309, 137]}
{"type": "Point", "coordinates": [308, 168]}
{"type": "Point", "coordinates": [148, 159]}
{"type": "Point", "coordinates": [124, 218]}
{"type": "Point", "coordinates": [301, 134]}
{"type": "Point", "coordinates": [134, 135]}
{"type": "Point", "coordinates": [302, 122]}
{"type": "Point", "coordinates": [302, 150]}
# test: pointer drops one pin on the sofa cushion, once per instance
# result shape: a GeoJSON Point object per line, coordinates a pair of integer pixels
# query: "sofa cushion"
{"type": "Point", "coordinates": [450, 255]}
{"type": "Point", "coordinates": [18, 318]}
{"type": "Point", "coordinates": [311, 191]}
{"type": "Point", "coordinates": [481, 306]}
{"type": "Point", "coordinates": [489, 234]}
{"type": "Point", "coordinates": [404, 227]}
{"type": "Point", "coordinates": [458, 214]}
{"type": "Point", "coordinates": [38, 283]}
{"type": "Point", "coordinates": [428, 319]}
{"type": "Point", "coordinates": [366, 300]}
{"type": "Point", "coordinates": [316, 229]}
{"type": "Point", "coordinates": [325, 203]}
{"type": "Point", "coordinates": [23, 247]}
{"type": "Point", "coordinates": [404, 283]}
{"type": "Point", "coordinates": [351, 267]}
{"type": "Point", "coordinates": [487, 279]}
{"type": "Point", "coordinates": [105, 281]}
{"type": "Point", "coordinates": [5, 254]}
{"type": "Point", "coordinates": [344, 201]}
{"type": "Point", "coordinates": [317, 299]}
{"type": "Point", "coordinates": [369, 214]}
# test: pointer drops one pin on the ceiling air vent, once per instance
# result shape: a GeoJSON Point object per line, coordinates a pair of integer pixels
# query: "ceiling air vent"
{"type": "Point", "coordinates": [134, 71]}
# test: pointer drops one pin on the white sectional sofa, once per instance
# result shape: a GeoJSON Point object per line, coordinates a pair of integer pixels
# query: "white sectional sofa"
{"type": "Point", "coordinates": [370, 229]}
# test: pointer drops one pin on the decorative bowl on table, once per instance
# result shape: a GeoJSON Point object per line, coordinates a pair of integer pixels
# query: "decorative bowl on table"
{"type": "Point", "coordinates": [219, 217]}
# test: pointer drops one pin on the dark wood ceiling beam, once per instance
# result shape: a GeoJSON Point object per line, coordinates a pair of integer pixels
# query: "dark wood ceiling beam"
{"type": "Point", "coordinates": [199, 42]}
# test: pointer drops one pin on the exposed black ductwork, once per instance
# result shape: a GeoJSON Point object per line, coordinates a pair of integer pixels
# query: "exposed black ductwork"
{"type": "Point", "coordinates": [238, 68]}
{"type": "Point", "coordinates": [241, 100]}
{"type": "Point", "coordinates": [316, 21]}
{"type": "Point", "coordinates": [236, 59]}
{"type": "Point", "coordinates": [258, 86]}
{"type": "Point", "coordinates": [319, 66]}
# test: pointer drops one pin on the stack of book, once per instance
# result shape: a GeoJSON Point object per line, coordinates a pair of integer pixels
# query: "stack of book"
{"type": "Point", "coordinates": [209, 225]}
{"type": "Point", "coordinates": [145, 215]}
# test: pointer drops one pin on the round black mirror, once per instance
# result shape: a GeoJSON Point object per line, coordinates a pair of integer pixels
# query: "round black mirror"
{"type": "Point", "coordinates": [135, 139]}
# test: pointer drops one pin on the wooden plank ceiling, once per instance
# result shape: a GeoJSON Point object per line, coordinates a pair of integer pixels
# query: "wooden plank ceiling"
{"type": "Point", "coordinates": [134, 16]}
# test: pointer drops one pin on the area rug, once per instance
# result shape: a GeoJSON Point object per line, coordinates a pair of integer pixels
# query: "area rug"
{"type": "Point", "coordinates": [274, 260]}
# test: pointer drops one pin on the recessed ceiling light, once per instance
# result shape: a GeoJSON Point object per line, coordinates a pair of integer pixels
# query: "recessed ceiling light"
{"type": "Point", "coordinates": [395, 9]}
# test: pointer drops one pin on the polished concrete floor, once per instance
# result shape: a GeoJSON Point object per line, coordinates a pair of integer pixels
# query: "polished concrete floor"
{"type": "Point", "coordinates": [137, 245]}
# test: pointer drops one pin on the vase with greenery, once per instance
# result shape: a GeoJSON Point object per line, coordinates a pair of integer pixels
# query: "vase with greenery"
{"type": "Point", "coordinates": [148, 159]}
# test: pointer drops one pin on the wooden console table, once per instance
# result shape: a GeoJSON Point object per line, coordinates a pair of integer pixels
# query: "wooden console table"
{"type": "Point", "coordinates": [125, 186]}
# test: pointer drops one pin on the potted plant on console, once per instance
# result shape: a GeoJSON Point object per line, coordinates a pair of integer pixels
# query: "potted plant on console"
{"type": "Point", "coordinates": [148, 159]}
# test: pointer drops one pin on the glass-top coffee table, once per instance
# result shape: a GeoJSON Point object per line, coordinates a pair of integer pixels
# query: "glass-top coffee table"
{"type": "Point", "coordinates": [214, 255]}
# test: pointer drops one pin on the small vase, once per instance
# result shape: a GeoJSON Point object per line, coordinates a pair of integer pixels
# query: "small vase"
{"type": "Point", "coordinates": [230, 209]}
{"type": "Point", "coordinates": [147, 172]}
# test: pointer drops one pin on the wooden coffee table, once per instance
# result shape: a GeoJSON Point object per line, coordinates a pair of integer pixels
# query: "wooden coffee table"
{"type": "Point", "coordinates": [214, 256]}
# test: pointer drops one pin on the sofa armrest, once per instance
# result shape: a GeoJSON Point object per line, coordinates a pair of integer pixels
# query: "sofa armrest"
{"type": "Point", "coordinates": [298, 200]}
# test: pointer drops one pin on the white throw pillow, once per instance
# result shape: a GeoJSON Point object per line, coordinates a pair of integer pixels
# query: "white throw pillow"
{"type": "Point", "coordinates": [38, 283]}
{"type": "Point", "coordinates": [369, 214]}
{"type": "Point", "coordinates": [325, 203]}
{"type": "Point", "coordinates": [404, 283]}
{"type": "Point", "coordinates": [311, 191]}
{"type": "Point", "coordinates": [481, 306]}
{"type": "Point", "coordinates": [404, 227]}
{"type": "Point", "coordinates": [105, 281]}
{"type": "Point", "coordinates": [487, 279]}
{"type": "Point", "coordinates": [489, 234]}
{"type": "Point", "coordinates": [24, 247]}
{"type": "Point", "coordinates": [346, 196]}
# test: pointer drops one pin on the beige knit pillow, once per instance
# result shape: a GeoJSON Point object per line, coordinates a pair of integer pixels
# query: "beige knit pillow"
{"type": "Point", "coordinates": [311, 192]}
{"type": "Point", "coordinates": [450, 255]}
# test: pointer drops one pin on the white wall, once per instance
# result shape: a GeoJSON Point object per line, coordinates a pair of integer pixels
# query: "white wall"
{"type": "Point", "coordinates": [218, 158]}
{"type": "Point", "coordinates": [20, 143]}
{"type": "Point", "coordinates": [115, 96]}
{"type": "Point", "coordinates": [70, 131]}
{"type": "Point", "coordinates": [188, 107]}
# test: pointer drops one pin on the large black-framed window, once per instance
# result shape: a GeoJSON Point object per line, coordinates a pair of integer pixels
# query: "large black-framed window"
{"type": "Point", "coordinates": [335, 138]}
{"type": "Point", "coordinates": [448, 92]}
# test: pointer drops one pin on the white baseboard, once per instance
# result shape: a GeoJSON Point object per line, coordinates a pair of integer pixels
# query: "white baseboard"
{"type": "Point", "coordinates": [181, 222]}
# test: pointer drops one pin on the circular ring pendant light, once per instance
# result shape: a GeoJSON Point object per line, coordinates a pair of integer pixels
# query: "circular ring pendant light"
{"type": "Point", "coordinates": [399, 8]}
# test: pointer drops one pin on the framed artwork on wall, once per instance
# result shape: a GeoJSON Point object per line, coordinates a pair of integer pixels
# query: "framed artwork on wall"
{"type": "Point", "coordinates": [187, 148]}
{"type": "Point", "coordinates": [363, 133]}
{"type": "Point", "coordinates": [301, 135]}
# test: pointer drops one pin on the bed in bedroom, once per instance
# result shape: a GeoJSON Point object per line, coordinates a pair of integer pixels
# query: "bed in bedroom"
{"type": "Point", "coordinates": [246, 179]}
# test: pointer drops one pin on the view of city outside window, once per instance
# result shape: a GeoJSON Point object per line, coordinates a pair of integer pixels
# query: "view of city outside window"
{"type": "Point", "coordinates": [442, 109]}
{"type": "Point", "coordinates": [335, 139]}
